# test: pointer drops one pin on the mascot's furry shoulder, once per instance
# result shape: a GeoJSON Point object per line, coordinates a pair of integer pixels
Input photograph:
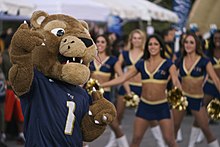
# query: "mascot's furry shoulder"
{"type": "Point", "coordinates": [50, 61]}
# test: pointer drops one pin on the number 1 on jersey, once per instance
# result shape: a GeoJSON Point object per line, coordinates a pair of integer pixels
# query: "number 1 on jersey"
{"type": "Point", "coordinates": [70, 118]}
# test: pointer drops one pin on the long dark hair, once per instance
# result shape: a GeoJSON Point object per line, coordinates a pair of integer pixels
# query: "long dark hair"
{"type": "Point", "coordinates": [212, 43]}
{"type": "Point", "coordinates": [107, 50]}
{"type": "Point", "coordinates": [198, 44]}
{"type": "Point", "coordinates": [162, 46]}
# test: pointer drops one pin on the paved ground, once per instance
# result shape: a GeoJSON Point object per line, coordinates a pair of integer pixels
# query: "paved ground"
{"type": "Point", "coordinates": [148, 140]}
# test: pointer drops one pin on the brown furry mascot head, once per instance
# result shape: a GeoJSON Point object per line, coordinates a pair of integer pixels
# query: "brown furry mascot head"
{"type": "Point", "coordinates": [50, 60]}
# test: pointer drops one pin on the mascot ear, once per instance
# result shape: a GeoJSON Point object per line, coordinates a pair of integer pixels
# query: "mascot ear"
{"type": "Point", "coordinates": [37, 18]}
{"type": "Point", "coordinates": [84, 24]}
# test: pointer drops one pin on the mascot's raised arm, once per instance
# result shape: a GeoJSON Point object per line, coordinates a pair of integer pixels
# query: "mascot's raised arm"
{"type": "Point", "coordinates": [50, 60]}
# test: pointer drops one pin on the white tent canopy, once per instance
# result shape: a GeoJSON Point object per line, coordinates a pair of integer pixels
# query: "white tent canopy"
{"type": "Point", "coordinates": [139, 9]}
{"type": "Point", "coordinates": [123, 8]}
{"type": "Point", "coordinates": [83, 9]}
{"type": "Point", "coordinates": [95, 10]}
{"type": "Point", "coordinates": [13, 7]}
{"type": "Point", "coordinates": [159, 13]}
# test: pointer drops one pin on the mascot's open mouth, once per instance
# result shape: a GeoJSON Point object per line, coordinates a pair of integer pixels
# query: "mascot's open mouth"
{"type": "Point", "coordinates": [65, 60]}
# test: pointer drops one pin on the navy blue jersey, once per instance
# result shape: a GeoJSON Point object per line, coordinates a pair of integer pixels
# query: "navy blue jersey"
{"type": "Point", "coordinates": [216, 65]}
{"type": "Point", "coordinates": [107, 68]}
{"type": "Point", "coordinates": [215, 62]}
{"type": "Point", "coordinates": [209, 87]}
{"type": "Point", "coordinates": [105, 71]}
{"type": "Point", "coordinates": [128, 61]}
{"type": "Point", "coordinates": [160, 75]}
{"type": "Point", "coordinates": [53, 111]}
{"type": "Point", "coordinates": [198, 69]}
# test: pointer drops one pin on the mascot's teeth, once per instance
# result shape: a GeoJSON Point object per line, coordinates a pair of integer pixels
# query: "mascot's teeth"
{"type": "Point", "coordinates": [43, 44]}
{"type": "Point", "coordinates": [104, 118]}
{"type": "Point", "coordinates": [81, 61]}
{"type": "Point", "coordinates": [73, 59]}
{"type": "Point", "coordinates": [97, 122]}
{"type": "Point", "coordinates": [67, 61]}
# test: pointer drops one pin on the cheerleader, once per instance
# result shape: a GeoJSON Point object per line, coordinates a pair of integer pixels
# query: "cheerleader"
{"type": "Point", "coordinates": [132, 53]}
{"type": "Point", "coordinates": [209, 88]}
{"type": "Point", "coordinates": [193, 68]}
{"type": "Point", "coordinates": [103, 72]}
{"type": "Point", "coordinates": [155, 71]}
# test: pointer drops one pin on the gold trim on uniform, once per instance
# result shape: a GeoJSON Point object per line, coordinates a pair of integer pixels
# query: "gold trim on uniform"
{"type": "Point", "coordinates": [217, 60]}
{"type": "Point", "coordinates": [210, 81]}
{"type": "Point", "coordinates": [155, 81]}
{"type": "Point", "coordinates": [151, 75]}
{"type": "Point", "coordinates": [134, 61]}
{"type": "Point", "coordinates": [190, 77]}
{"type": "Point", "coordinates": [135, 84]}
{"type": "Point", "coordinates": [196, 96]}
{"type": "Point", "coordinates": [154, 102]}
{"type": "Point", "coordinates": [100, 65]}
{"type": "Point", "coordinates": [192, 67]}
{"type": "Point", "coordinates": [216, 66]}
{"type": "Point", "coordinates": [102, 73]}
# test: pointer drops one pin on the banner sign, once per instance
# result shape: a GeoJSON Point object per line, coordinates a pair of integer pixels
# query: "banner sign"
{"type": "Point", "coordinates": [181, 8]}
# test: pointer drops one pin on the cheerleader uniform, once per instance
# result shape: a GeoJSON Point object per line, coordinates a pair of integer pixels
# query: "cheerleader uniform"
{"type": "Point", "coordinates": [104, 70]}
{"type": "Point", "coordinates": [209, 87]}
{"type": "Point", "coordinates": [154, 110]}
{"type": "Point", "coordinates": [197, 71]}
{"type": "Point", "coordinates": [128, 62]}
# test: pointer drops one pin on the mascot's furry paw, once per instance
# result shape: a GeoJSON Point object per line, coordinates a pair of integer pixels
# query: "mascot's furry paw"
{"type": "Point", "coordinates": [29, 39]}
{"type": "Point", "coordinates": [102, 110]}
{"type": "Point", "coordinates": [101, 113]}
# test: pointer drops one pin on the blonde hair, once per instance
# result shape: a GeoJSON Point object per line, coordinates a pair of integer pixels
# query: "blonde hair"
{"type": "Point", "coordinates": [129, 45]}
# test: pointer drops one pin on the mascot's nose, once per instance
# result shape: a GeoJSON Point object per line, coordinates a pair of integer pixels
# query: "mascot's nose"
{"type": "Point", "coordinates": [86, 41]}
{"type": "Point", "coordinates": [69, 44]}
{"type": "Point", "coordinates": [70, 40]}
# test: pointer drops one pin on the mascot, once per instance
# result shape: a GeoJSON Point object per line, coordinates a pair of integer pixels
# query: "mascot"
{"type": "Point", "coordinates": [50, 64]}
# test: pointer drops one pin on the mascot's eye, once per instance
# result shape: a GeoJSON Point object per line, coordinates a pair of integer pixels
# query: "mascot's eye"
{"type": "Point", "coordinates": [58, 31]}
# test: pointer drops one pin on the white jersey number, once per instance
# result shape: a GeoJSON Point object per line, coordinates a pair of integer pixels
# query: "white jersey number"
{"type": "Point", "coordinates": [70, 118]}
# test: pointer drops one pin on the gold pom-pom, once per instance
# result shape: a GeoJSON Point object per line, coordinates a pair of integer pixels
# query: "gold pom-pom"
{"type": "Point", "coordinates": [213, 109]}
{"type": "Point", "coordinates": [93, 84]}
{"type": "Point", "coordinates": [132, 100]}
{"type": "Point", "coordinates": [176, 99]}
